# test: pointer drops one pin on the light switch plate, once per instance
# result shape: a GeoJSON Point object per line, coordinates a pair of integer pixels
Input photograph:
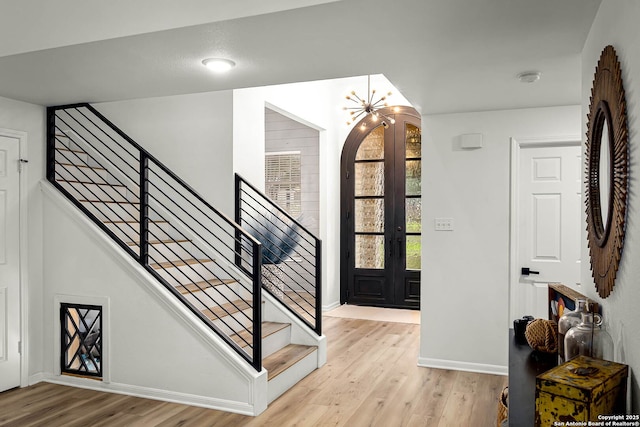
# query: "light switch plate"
{"type": "Point", "coordinates": [444, 224]}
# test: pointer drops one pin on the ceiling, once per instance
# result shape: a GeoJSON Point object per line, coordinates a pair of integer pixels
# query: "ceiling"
{"type": "Point", "coordinates": [443, 55]}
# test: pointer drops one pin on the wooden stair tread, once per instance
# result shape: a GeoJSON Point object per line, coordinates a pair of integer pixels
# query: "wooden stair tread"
{"type": "Point", "coordinates": [178, 263]}
{"type": "Point", "coordinates": [268, 328]}
{"type": "Point", "coordinates": [69, 149]}
{"type": "Point", "coordinates": [133, 222]}
{"type": "Point", "coordinates": [195, 287]}
{"type": "Point", "coordinates": [107, 201]}
{"type": "Point", "coordinates": [159, 242]}
{"type": "Point", "coordinates": [72, 181]}
{"type": "Point", "coordinates": [286, 357]}
{"type": "Point", "coordinates": [79, 166]}
{"type": "Point", "coordinates": [225, 309]}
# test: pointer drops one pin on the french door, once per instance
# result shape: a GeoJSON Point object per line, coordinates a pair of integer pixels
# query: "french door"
{"type": "Point", "coordinates": [381, 211]}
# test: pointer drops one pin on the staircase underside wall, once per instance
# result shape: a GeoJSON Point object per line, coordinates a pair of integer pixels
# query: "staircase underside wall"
{"type": "Point", "coordinates": [152, 347]}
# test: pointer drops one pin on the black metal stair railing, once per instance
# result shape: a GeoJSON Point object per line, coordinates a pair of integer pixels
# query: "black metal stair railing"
{"type": "Point", "coordinates": [291, 254]}
{"type": "Point", "coordinates": [159, 220]}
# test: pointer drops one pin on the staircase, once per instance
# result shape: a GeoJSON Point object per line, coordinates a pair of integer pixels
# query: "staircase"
{"type": "Point", "coordinates": [206, 260]}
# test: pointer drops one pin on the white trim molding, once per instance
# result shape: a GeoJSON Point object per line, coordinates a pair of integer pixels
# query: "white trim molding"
{"type": "Point", "coordinates": [453, 365]}
{"type": "Point", "coordinates": [331, 306]}
{"type": "Point", "coordinates": [153, 393]}
{"type": "Point", "coordinates": [36, 378]}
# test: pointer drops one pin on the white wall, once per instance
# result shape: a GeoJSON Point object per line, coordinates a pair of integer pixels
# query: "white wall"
{"type": "Point", "coordinates": [30, 118]}
{"type": "Point", "coordinates": [191, 134]}
{"type": "Point", "coordinates": [617, 24]}
{"type": "Point", "coordinates": [320, 105]}
{"type": "Point", "coordinates": [465, 279]}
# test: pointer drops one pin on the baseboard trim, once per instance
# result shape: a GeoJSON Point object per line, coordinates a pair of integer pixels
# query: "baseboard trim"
{"type": "Point", "coordinates": [154, 394]}
{"type": "Point", "coordinates": [426, 362]}
{"type": "Point", "coordinates": [331, 306]}
{"type": "Point", "coordinates": [36, 378]}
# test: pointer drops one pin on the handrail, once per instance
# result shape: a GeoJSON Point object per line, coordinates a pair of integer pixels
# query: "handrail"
{"type": "Point", "coordinates": [172, 231]}
{"type": "Point", "coordinates": [294, 277]}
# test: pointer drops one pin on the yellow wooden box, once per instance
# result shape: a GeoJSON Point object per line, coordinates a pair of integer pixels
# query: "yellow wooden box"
{"type": "Point", "coordinates": [580, 390]}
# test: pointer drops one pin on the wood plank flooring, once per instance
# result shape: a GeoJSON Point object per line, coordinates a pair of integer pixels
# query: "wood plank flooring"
{"type": "Point", "coordinates": [370, 379]}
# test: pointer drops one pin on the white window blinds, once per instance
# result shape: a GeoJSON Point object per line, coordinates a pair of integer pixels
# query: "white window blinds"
{"type": "Point", "coordinates": [283, 182]}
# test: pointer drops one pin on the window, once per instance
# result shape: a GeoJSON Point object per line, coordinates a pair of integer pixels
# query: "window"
{"type": "Point", "coordinates": [283, 182]}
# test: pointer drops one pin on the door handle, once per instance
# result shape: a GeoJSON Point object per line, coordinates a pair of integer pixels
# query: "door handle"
{"type": "Point", "coordinates": [399, 247]}
{"type": "Point", "coordinates": [390, 248]}
{"type": "Point", "coordinates": [525, 271]}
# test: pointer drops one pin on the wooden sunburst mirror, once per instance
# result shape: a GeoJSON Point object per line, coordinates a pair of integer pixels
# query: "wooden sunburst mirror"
{"type": "Point", "coordinates": [607, 163]}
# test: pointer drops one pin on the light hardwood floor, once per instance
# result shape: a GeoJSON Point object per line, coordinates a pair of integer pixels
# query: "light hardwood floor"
{"type": "Point", "coordinates": [370, 379]}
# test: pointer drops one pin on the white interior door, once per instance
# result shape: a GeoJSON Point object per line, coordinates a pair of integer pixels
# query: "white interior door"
{"type": "Point", "coordinates": [9, 263]}
{"type": "Point", "coordinates": [548, 224]}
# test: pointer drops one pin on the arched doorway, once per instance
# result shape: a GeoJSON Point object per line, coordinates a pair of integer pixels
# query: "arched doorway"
{"type": "Point", "coordinates": [381, 211]}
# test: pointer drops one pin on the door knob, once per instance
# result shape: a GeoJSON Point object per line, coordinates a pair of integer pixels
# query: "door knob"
{"type": "Point", "coordinates": [527, 271]}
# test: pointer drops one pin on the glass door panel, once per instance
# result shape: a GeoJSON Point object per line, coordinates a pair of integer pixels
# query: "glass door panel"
{"type": "Point", "coordinates": [413, 142]}
{"type": "Point", "coordinates": [369, 178]}
{"type": "Point", "coordinates": [369, 251]}
{"type": "Point", "coordinates": [372, 148]}
{"type": "Point", "coordinates": [413, 215]}
{"type": "Point", "coordinates": [413, 202]}
{"type": "Point", "coordinates": [414, 250]}
{"type": "Point", "coordinates": [413, 173]}
{"type": "Point", "coordinates": [369, 215]}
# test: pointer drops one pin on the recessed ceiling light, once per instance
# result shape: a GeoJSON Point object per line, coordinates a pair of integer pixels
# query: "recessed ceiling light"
{"type": "Point", "coordinates": [529, 76]}
{"type": "Point", "coordinates": [218, 65]}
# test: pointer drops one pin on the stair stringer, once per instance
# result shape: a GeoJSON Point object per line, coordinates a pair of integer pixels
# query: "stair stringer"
{"type": "Point", "coordinates": [219, 353]}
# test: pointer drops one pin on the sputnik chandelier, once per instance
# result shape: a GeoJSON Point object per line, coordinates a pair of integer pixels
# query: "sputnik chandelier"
{"type": "Point", "coordinates": [368, 106]}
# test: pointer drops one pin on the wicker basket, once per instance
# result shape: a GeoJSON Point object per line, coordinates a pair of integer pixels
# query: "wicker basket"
{"type": "Point", "coordinates": [503, 407]}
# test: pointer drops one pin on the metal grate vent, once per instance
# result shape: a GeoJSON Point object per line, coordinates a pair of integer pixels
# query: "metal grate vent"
{"type": "Point", "coordinates": [81, 327]}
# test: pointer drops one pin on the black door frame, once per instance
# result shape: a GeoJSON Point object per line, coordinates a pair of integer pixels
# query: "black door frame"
{"type": "Point", "coordinates": [401, 115]}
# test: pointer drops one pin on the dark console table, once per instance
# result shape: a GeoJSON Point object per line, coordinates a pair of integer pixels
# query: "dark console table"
{"type": "Point", "coordinates": [524, 366]}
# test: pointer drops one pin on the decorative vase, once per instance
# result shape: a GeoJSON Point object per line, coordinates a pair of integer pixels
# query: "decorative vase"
{"type": "Point", "coordinates": [568, 320]}
{"type": "Point", "coordinates": [588, 339]}
{"type": "Point", "coordinates": [273, 279]}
